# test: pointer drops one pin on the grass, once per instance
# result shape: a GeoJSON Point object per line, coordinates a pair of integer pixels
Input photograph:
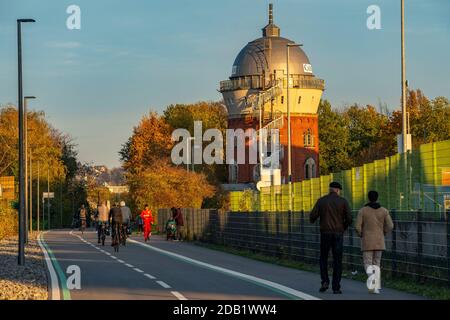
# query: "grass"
{"type": "Point", "coordinates": [429, 290]}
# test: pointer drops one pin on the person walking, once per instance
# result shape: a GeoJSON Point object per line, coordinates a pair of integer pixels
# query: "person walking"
{"type": "Point", "coordinates": [372, 224]}
{"type": "Point", "coordinates": [147, 219]}
{"type": "Point", "coordinates": [82, 215]}
{"type": "Point", "coordinates": [140, 224]}
{"type": "Point", "coordinates": [335, 217]}
{"type": "Point", "coordinates": [179, 220]}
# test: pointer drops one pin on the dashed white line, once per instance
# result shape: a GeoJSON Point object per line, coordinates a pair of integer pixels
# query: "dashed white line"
{"type": "Point", "coordinates": [178, 295]}
{"type": "Point", "coordinates": [243, 276]}
{"type": "Point", "coordinates": [163, 284]}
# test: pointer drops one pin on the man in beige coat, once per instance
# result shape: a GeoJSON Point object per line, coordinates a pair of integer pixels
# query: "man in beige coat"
{"type": "Point", "coordinates": [372, 224]}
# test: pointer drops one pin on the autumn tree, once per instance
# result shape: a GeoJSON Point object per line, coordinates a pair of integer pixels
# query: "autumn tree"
{"type": "Point", "coordinates": [150, 174]}
{"type": "Point", "coordinates": [212, 115]}
{"type": "Point", "coordinates": [151, 140]}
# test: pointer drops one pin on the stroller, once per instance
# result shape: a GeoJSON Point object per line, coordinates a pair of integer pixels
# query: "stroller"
{"type": "Point", "coordinates": [171, 229]}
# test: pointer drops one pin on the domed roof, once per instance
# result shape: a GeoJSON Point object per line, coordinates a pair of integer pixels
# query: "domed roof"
{"type": "Point", "coordinates": [269, 54]}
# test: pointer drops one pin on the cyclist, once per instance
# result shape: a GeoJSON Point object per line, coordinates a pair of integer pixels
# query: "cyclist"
{"type": "Point", "coordinates": [102, 219]}
{"type": "Point", "coordinates": [126, 218]}
{"type": "Point", "coordinates": [82, 216]}
{"type": "Point", "coordinates": [115, 218]}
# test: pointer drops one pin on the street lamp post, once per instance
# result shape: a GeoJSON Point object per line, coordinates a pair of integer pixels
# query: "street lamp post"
{"type": "Point", "coordinates": [189, 156]}
{"type": "Point", "coordinates": [38, 196]}
{"type": "Point", "coordinates": [404, 119]}
{"type": "Point", "coordinates": [27, 195]}
{"type": "Point", "coordinates": [22, 164]}
{"type": "Point", "coordinates": [288, 46]}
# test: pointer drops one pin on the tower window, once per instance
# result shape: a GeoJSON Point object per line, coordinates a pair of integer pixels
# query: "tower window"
{"type": "Point", "coordinates": [308, 138]}
{"type": "Point", "coordinates": [299, 99]}
{"type": "Point", "coordinates": [282, 99]}
{"type": "Point", "coordinates": [310, 168]}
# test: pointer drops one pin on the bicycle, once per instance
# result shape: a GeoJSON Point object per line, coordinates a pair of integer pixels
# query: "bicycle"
{"type": "Point", "coordinates": [124, 234]}
{"type": "Point", "coordinates": [116, 237]}
{"type": "Point", "coordinates": [82, 226]}
{"type": "Point", "coordinates": [103, 233]}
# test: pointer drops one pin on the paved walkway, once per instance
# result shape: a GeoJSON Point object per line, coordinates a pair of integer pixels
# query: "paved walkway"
{"type": "Point", "coordinates": [179, 270]}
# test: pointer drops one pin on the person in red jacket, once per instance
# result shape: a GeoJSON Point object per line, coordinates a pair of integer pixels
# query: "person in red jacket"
{"type": "Point", "coordinates": [147, 219]}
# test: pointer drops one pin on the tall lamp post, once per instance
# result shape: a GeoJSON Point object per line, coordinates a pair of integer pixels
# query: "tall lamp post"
{"type": "Point", "coordinates": [288, 46]}
{"type": "Point", "coordinates": [404, 119]}
{"type": "Point", "coordinates": [22, 164]}
{"type": "Point", "coordinates": [27, 195]}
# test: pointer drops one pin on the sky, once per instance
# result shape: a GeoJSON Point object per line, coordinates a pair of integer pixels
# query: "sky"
{"type": "Point", "coordinates": [130, 57]}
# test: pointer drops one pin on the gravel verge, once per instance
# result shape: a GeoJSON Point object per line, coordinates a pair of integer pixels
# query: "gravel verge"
{"type": "Point", "coordinates": [27, 282]}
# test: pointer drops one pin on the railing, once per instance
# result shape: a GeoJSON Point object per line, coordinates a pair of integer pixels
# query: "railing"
{"type": "Point", "coordinates": [256, 82]}
{"type": "Point", "coordinates": [418, 249]}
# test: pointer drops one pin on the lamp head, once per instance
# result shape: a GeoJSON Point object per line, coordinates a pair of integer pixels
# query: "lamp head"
{"type": "Point", "coordinates": [25, 20]}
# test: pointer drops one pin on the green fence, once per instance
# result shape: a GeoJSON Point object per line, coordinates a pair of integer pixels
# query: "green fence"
{"type": "Point", "coordinates": [415, 180]}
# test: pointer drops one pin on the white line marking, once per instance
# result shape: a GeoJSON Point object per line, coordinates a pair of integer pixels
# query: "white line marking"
{"type": "Point", "coordinates": [263, 282]}
{"type": "Point", "coordinates": [55, 295]}
{"type": "Point", "coordinates": [149, 276]}
{"type": "Point", "coordinates": [163, 284]}
{"type": "Point", "coordinates": [178, 295]}
{"type": "Point", "coordinates": [113, 257]}
{"type": "Point", "coordinates": [121, 261]}
{"type": "Point", "coordinates": [129, 265]}
{"type": "Point", "coordinates": [138, 270]}
{"type": "Point", "coordinates": [107, 253]}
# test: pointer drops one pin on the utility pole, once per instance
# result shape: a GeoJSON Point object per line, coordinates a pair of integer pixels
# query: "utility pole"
{"type": "Point", "coordinates": [404, 120]}
{"type": "Point", "coordinates": [25, 131]}
{"type": "Point", "coordinates": [38, 196]}
{"type": "Point", "coordinates": [48, 197]}
{"type": "Point", "coordinates": [289, 122]}
{"type": "Point", "coordinates": [22, 163]}
{"type": "Point", "coordinates": [31, 194]}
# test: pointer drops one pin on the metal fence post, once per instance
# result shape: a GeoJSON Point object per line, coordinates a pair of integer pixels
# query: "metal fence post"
{"type": "Point", "coordinates": [289, 230]}
{"type": "Point", "coordinates": [394, 244]}
{"type": "Point", "coordinates": [448, 247]}
{"type": "Point", "coordinates": [302, 235]}
{"type": "Point", "coordinates": [419, 244]}
{"type": "Point", "coordinates": [350, 248]}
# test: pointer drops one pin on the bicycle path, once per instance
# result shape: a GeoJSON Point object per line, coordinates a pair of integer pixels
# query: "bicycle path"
{"type": "Point", "coordinates": [169, 270]}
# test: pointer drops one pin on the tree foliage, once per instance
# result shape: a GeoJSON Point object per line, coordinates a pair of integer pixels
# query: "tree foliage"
{"type": "Point", "coordinates": [357, 135]}
{"type": "Point", "coordinates": [151, 176]}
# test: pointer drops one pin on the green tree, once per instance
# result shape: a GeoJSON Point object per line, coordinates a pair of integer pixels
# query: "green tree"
{"type": "Point", "coordinates": [334, 137]}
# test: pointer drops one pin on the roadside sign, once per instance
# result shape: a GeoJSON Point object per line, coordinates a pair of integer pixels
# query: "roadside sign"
{"type": "Point", "coordinates": [447, 202]}
{"type": "Point", "coordinates": [7, 188]}
{"type": "Point", "coordinates": [46, 195]}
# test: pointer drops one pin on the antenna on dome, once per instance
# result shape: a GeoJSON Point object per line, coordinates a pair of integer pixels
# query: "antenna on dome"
{"type": "Point", "coordinates": [270, 13]}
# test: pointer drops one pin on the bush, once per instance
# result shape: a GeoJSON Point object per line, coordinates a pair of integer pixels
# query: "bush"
{"type": "Point", "coordinates": [8, 221]}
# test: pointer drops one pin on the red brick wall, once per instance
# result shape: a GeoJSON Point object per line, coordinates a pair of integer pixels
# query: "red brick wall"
{"type": "Point", "coordinates": [300, 153]}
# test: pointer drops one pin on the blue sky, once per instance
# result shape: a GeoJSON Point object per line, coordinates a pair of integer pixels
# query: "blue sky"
{"type": "Point", "coordinates": [133, 56]}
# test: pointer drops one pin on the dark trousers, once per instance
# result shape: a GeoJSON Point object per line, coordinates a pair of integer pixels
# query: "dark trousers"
{"type": "Point", "coordinates": [335, 242]}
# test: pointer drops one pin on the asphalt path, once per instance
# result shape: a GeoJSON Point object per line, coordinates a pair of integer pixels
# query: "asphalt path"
{"type": "Point", "coordinates": [82, 269]}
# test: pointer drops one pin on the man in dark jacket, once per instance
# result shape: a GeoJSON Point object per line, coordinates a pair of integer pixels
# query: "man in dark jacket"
{"type": "Point", "coordinates": [335, 217]}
